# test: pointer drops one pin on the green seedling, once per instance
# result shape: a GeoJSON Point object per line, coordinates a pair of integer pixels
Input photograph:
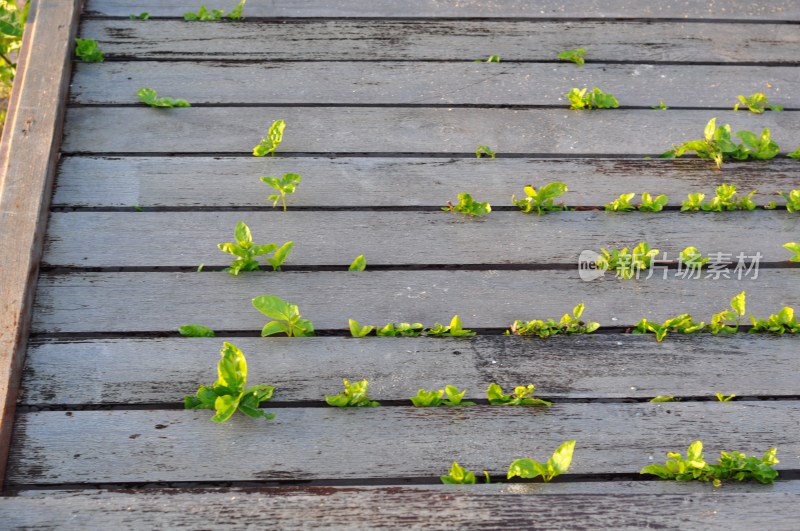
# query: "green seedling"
{"type": "Point", "coordinates": [692, 258]}
{"type": "Point", "coordinates": [200, 268]}
{"type": "Point", "coordinates": [555, 466]}
{"type": "Point", "coordinates": [717, 144]}
{"type": "Point", "coordinates": [88, 51]}
{"type": "Point", "coordinates": [493, 59]}
{"type": "Point", "coordinates": [150, 97]}
{"type": "Point", "coordinates": [287, 317]}
{"type": "Point", "coordinates": [236, 12]}
{"type": "Point", "coordinates": [359, 264]}
{"type": "Point", "coordinates": [141, 16]}
{"type": "Point", "coordinates": [568, 324]}
{"type": "Point", "coordinates": [653, 205]}
{"type": "Point", "coordinates": [660, 398]}
{"type": "Point", "coordinates": [195, 330]}
{"type": "Point", "coordinates": [793, 247]}
{"type": "Point", "coordinates": [354, 395]}
{"type": "Point", "coordinates": [285, 185]}
{"type": "Point", "coordinates": [792, 200]}
{"type": "Point", "coordinates": [723, 398]}
{"type": "Point", "coordinates": [137, 208]}
{"type": "Point", "coordinates": [229, 394]}
{"type": "Point", "coordinates": [772, 205]}
{"type": "Point", "coordinates": [724, 201]}
{"type": "Point", "coordinates": [205, 15]}
{"type": "Point", "coordinates": [400, 330]}
{"type": "Point", "coordinates": [458, 476]}
{"type": "Point", "coordinates": [466, 205]}
{"type": "Point", "coordinates": [280, 256]}
{"type": "Point", "coordinates": [757, 103]}
{"type": "Point", "coordinates": [13, 15]}
{"type": "Point", "coordinates": [758, 147]}
{"type": "Point", "coordinates": [794, 154]}
{"type": "Point", "coordinates": [596, 99]}
{"type": "Point", "coordinates": [682, 324]}
{"type": "Point", "coordinates": [660, 107]}
{"type": "Point", "coordinates": [435, 398]}
{"type": "Point", "coordinates": [727, 321]}
{"type": "Point", "coordinates": [356, 330]}
{"type": "Point", "coordinates": [246, 252]}
{"type": "Point", "coordinates": [730, 466]}
{"type": "Point", "coordinates": [542, 200]}
{"type": "Point", "coordinates": [485, 150]}
{"type": "Point", "coordinates": [576, 56]}
{"type": "Point", "coordinates": [621, 204]}
{"type": "Point", "coordinates": [522, 396]}
{"type": "Point", "coordinates": [455, 329]}
{"type": "Point", "coordinates": [627, 264]}
{"type": "Point", "coordinates": [273, 139]}
{"type": "Point", "coordinates": [782, 322]}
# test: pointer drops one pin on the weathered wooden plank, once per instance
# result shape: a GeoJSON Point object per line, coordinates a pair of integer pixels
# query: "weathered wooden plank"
{"type": "Point", "coordinates": [31, 137]}
{"type": "Point", "coordinates": [405, 130]}
{"type": "Point", "coordinates": [446, 40]}
{"type": "Point", "coordinates": [429, 83]}
{"type": "Point", "coordinates": [129, 371]}
{"type": "Point", "coordinates": [779, 11]}
{"type": "Point", "coordinates": [310, 443]}
{"type": "Point", "coordinates": [432, 507]}
{"type": "Point", "coordinates": [80, 239]}
{"type": "Point", "coordinates": [123, 302]}
{"type": "Point", "coordinates": [372, 181]}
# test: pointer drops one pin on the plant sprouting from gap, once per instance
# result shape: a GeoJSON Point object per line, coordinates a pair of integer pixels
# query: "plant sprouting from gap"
{"type": "Point", "coordinates": [682, 324]}
{"type": "Point", "coordinates": [458, 476]}
{"type": "Point", "coordinates": [627, 264]}
{"type": "Point", "coordinates": [356, 330]}
{"type": "Point", "coordinates": [195, 330]}
{"type": "Point", "coordinates": [794, 154]}
{"type": "Point", "coordinates": [568, 324]}
{"type": "Point", "coordinates": [722, 398]}
{"type": "Point", "coordinates": [485, 150]}
{"type": "Point", "coordinates": [359, 264]}
{"type": "Point", "coordinates": [229, 393]}
{"type": "Point", "coordinates": [660, 398]}
{"type": "Point", "coordinates": [204, 15]}
{"type": "Point", "coordinates": [660, 107]}
{"type": "Point", "coordinates": [576, 56]}
{"type": "Point", "coordinates": [522, 396]}
{"type": "Point", "coordinates": [436, 398]}
{"type": "Point", "coordinates": [354, 395]}
{"type": "Point", "coordinates": [692, 258]}
{"type": "Point", "coordinates": [273, 139]}
{"type": "Point", "coordinates": [285, 185]}
{"type": "Point", "coordinates": [542, 200]}
{"type": "Point", "coordinates": [794, 248]}
{"type": "Point", "coordinates": [400, 330]}
{"type": "Point", "coordinates": [596, 99]}
{"type": "Point", "coordinates": [287, 319]}
{"type": "Point", "coordinates": [621, 204]}
{"type": "Point", "coordinates": [246, 252]}
{"type": "Point", "coordinates": [792, 200]}
{"type": "Point", "coordinates": [653, 205]}
{"type": "Point", "coordinates": [725, 200]}
{"type": "Point", "coordinates": [727, 321]}
{"type": "Point", "coordinates": [783, 322]}
{"type": "Point", "coordinates": [141, 16]}
{"type": "Point", "coordinates": [466, 205]}
{"type": "Point", "coordinates": [756, 103]}
{"type": "Point", "coordinates": [557, 464]}
{"type": "Point", "coordinates": [493, 59]}
{"type": "Point", "coordinates": [88, 51]}
{"type": "Point", "coordinates": [455, 329]}
{"type": "Point", "coordinates": [150, 97]}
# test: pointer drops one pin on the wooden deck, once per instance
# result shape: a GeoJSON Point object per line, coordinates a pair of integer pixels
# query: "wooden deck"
{"type": "Point", "coordinates": [385, 106]}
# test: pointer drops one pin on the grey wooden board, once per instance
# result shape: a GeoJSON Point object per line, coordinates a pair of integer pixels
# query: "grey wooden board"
{"type": "Point", "coordinates": [409, 130]}
{"type": "Point", "coordinates": [143, 239]}
{"type": "Point", "coordinates": [444, 507]}
{"type": "Point", "coordinates": [121, 302]}
{"type": "Point", "coordinates": [429, 83]}
{"type": "Point", "coordinates": [446, 40]}
{"type": "Point", "coordinates": [373, 181]}
{"type": "Point", "coordinates": [130, 371]}
{"type": "Point", "coordinates": [359, 443]}
{"type": "Point", "coordinates": [777, 10]}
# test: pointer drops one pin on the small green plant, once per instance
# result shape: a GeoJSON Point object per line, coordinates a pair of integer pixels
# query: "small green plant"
{"type": "Point", "coordinates": [458, 476]}
{"type": "Point", "coordinates": [727, 321]}
{"type": "Point", "coordinates": [653, 205]}
{"type": "Point", "coordinates": [359, 264]}
{"type": "Point", "coordinates": [150, 97]}
{"type": "Point", "coordinates": [568, 324]}
{"type": "Point", "coordinates": [88, 51]}
{"type": "Point", "coordinates": [287, 317]}
{"type": "Point", "coordinates": [141, 16]}
{"type": "Point", "coordinates": [273, 139]}
{"type": "Point", "coordinates": [356, 330]}
{"type": "Point", "coordinates": [455, 329]}
{"type": "Point", "coordinates": [794, 154]}
{"type": "Point", "coordinates": [280, 256]}
{"type": "Point", "coordinates": [625, 264]}
{"type": "Point", "coordinates": [793, 247]}
{"type": "Point", "coordinates": [621, 204]}
{"type": "Point", "coordinates": [466, 205]}
{"type": "Point", "coordinates": [205, 15]}
{"type": "Point", "coordinates": [285, 185]}
{"type": "Point", "coordinates": [229, 394]}
{"type": "Point", "coordinates": [692, 258]}
{"type": "Point", "coordinates": [493, 59]}
{"type": "Point", "coordinates": [758, 147]}
{"type": "Point", "coordinates": [724, 201]}
{"type": "Point", "coordinates": [723, 398]}
{"type": "Point", "coordinates": [682, 324]}
{"type": "Point", "coordinates": [660, 107]}
{"type": "Point", "coordinates": [435, 398]}
{"type": "Point", "coordinates": [576, 56]}
{"type": "Point", "coordinates": [485, 150]}
{"type": "Point", "coordinates": [522, 396]}
{"type": "Point", "coordinates": [660, 398]}
{"type": "Point", "coordinates": [596, 99]}
{"type": "Point", "coordinates": [195, 330]}
{"type": "Point", "coordinates": [757, 103]}
{"type": "Point", "coordinates": [730, 466]}
{"type": "Point", "coordinates": [555, 466]}
{"type": "Point", "coordinates": [782, 322]}
{"type": "Point", "coordinates": [246, 252]}
{"type": "Point", "coordinates": [792, 200]}
{"type": "Point", "coordinates": [354, 395]}
{"type": "Point", "coordinates": [542, 200]}
{"type": "Point", "coordinates": [400, 330]}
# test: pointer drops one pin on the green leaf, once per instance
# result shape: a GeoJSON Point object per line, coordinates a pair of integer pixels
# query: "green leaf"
{"type": "Point", "coordinates": [359, 264]}
{"type": "Point", "coordinates": [276, 308]}
{"type": "Point", "coordinates": [273, 139]}
{"type": "Point", "coordinates": [561, 460]}
{"type": "Point", "coordinates": [232, 368]}
{"type": "Point", "coordinates": [526, 469]}
{"type": "Point", "coordinates": [576, 56]}
{"type": "Point", "coordinates": [150, 97]}
{"type": "Point", "coordinates": [356, 330]}
{"type": "Point", "coordinates": [484, 150]}
{"type": "Point", "coordinates": [274, 327]}
{"type": "Point", "coordinates": [195, 330]}
{"type": "Point", "coordinates": [458, 476]}
{"type": "Point", "coordinates": [280, 256]}
{"type": "Point", "coordinates": [88, 51]}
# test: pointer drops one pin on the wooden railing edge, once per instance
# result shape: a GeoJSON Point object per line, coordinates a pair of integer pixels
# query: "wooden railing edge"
{"type": "Point", "coordinates": [28, 157]}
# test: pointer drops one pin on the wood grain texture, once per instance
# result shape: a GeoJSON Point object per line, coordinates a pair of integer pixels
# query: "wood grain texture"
{"type": "Point", "coordinates": [445, 40]}
{"type": "Point", "coordinates": [80, 239]}
{"type": "Point", "coordinates": [130, 371]}
{"type": "Point", "coordinates": [409, 130]}
{"type": "Point", "coordinates": [533, 506]}
{"type": "Point", "coordinates": [310, 443]}
{"type": "Point", "coordinates": [406, 83]}
{"type": "Point", "coordinates": [124, 302]}
{"type": "Point", "coordinates": [28, 154]}
{"type": "Point", "coordinates": [373, 181]}
{"type": "Point", "coordinates": [779, 11]}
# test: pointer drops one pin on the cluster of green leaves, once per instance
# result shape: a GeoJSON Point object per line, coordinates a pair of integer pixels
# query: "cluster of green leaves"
{"type": "Point", "coordinates": [596, 99]}
{"type": "Point", "coordinates": [730, 466]}
{"type": "Point", "coordinates": [400, 330]}
{"type": "Point", "coordinates": [522, 396]}
{"type": "Point", "coordinates": [246, 252]}
{"type": "Point", "coordinates": [794, 154]}
{"type": "Point", "coordinates": [792, 200]}
{"type": "Point", "coordinates": [359, 264]}
{"type": "Point", "coordinates": [627, 263]}
{"type": "Point", "coordinates": [725, 200]}
{"type": "Point", "coordinates": [485, 150]}
{"type": "Point", "coordinates": [229, 393]}
{"type": "Point", "coordinates": [793, 247]}
{"type": "Point", "coordinates": [12, 24]}
{"type": "Point", "coordinates": [150, 97]}
{"type": "Point", "coordinates": [455, 329]}
{"type": "Point", "coordinates": [727, 321]}
{"type": "Point", "coordinates": [466, 205]}
{"type": "Point", "coordinates": [354, 395]}
{"type": "Point", "coordinates": [660, 398]}
{"type": "Point", "coordinates": [692, 257]}
{"type": "Point", "coordinates": [558, 464]}
{"type": "Point", "coordinates": [285, 185]}
{"type": "Point", "coordinates": [648, 204]}
{"type": "Point", "coordinates": [682, 324]}
{"type": "Point", "coordinates": [723, 398]}
{"type": "Point", "coordinates": [436, 398]}
{"type": "Point", "coordinates": [87, 51]}
{"type": "Point", "coordinates": [568, 324]}
{"type": "Point", "coordinates": [492, 59]}
{"type": "Point", "coordinates": [287, 319]}
{"type": "Point", "coordinates": [195, 330]}
{"type": "Point", "coordinates": [273, 139]}
{"type": "Point", "coordinates": [460, 476]}
{"type": "Point", "coordinates": [576, 56]}
{"type": "Point", "coordinates": [542, 200]}
{"type": "Point", "coordinates": [782, 322]}
{"type": "Point", "coordinates": [204, 14]}
{"type": "Point", "coordinates": [717, 144]}
{"type": "Point", "coordinates": [757, 103]}
{"type": "Point", "coordinates": [660, 107]}
{"type": "Point", "coordinates": [141, 16]}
